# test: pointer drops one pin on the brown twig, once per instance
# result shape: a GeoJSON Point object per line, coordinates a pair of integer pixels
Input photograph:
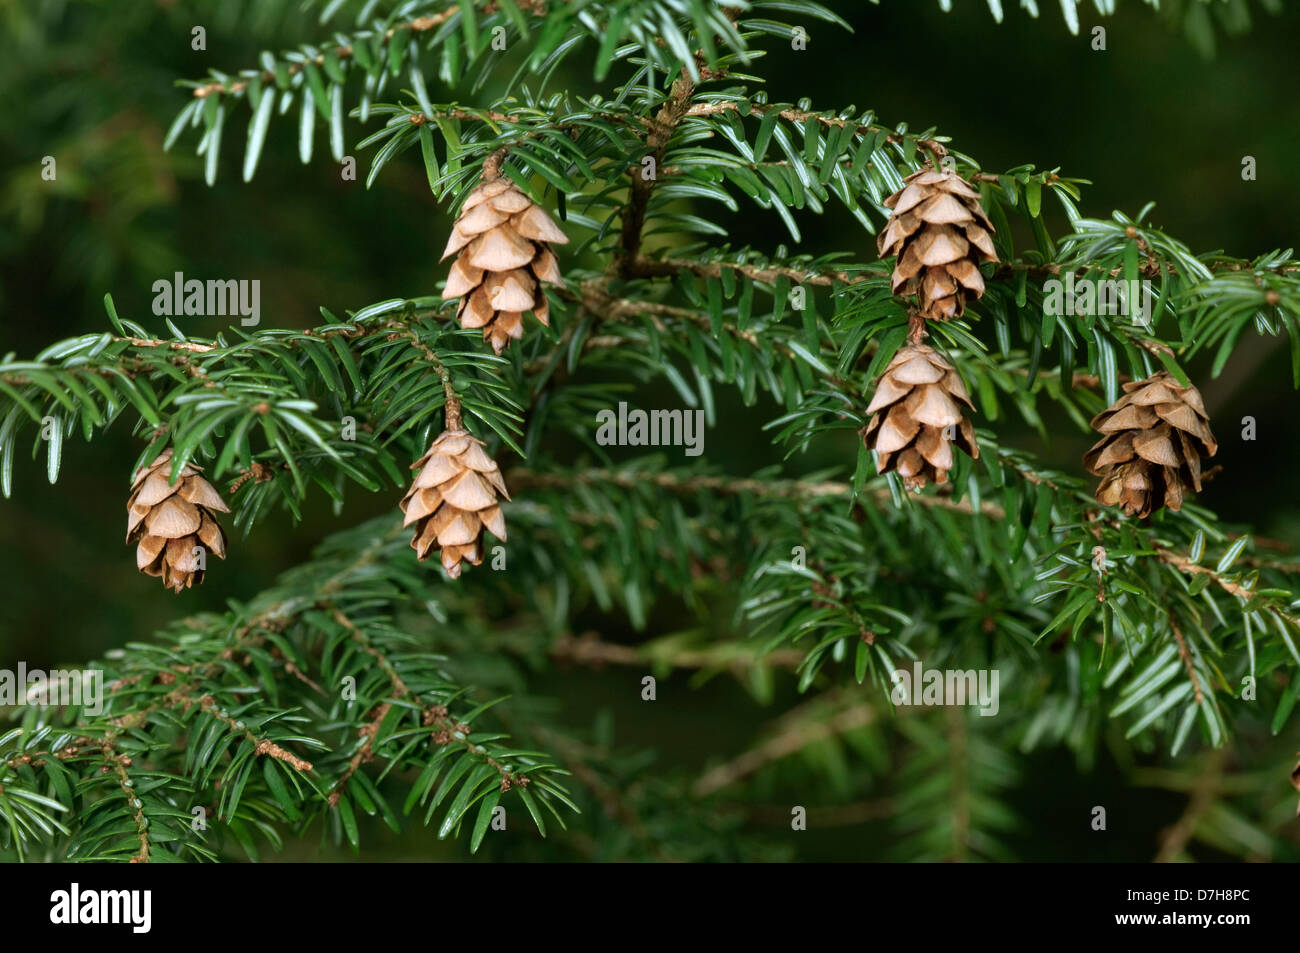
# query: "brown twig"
{"type": "Point", "coordinates": [452, 403]}
{"type": "Point", "coordinates": [418, 25]}
{"type": "Point", "coordinates": [793, 735]}
{"type": "Point", "coordinates": [118, 762]}
{"type": "Point", "coordinates": [1186, 656]}
{"type": "Point", "coordinates": [783, 489]}
{"type": "Point", "coordinates": [646, 267]}
{"type": "Point", "coordinates": [261, 746]}
{"type": "Point", "coordinates": [935, 148]}
{"type": "Point", "coordinates": [916, 332]}
{"type": "Point", "coordinates": [1204, 793]}
{"type": "Point", "coordinates": [445, 729]}
{"type": "Point", "coordinates": [1185, 565]}
{"type": "Point", "coordinates": [590, 649]}
{"type": "Point", "coordinates": [258, 473]}
{"type": "Point", "coordinates": [674, 108]}
{"type": "Point", "coordinates": [182, 695]}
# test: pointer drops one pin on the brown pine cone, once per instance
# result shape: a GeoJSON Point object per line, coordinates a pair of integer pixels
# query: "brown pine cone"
{"type": "Point", "coordinates": [504, 242]}
{"type": "Point", "coordinates": [940, 234]}
{"type": "Point", "coordinates": [174, 525]}
{"type": "Point", "coordinates": [1155, 437]}
{"type": "Point", "coordinates": [917, 418]}
{"type": "Point", "coordinates": [453, 498]}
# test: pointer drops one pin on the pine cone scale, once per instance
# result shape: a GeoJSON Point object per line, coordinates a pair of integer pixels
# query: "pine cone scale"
{"type": "Point", "coordinates": [171, 523]}
{"type": "Point", "coordinates": [939, 233]}
{"type": "Point", "coordinates": [503, 239]}
{"type": "Point", "coordinates": [452, 499]}
{"type": "Point", "coordinates": [917, 417]}
{"type": "Point", "coordinates": [1153, 440]}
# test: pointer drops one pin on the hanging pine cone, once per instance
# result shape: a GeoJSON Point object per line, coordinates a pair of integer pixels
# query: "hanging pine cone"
{"type": "Point", "coordinates": [453, 498]}
{"type": "Point", "coordinates": [916, 418]}
{"type": "Point", "coordinates": [504, 242]}
{"type": "Point", "coordinates": [1155, 436]}
{"type": "Point", "coordinates": [940, 234]}
{"type": "Point", "coordinates": [174, 525]}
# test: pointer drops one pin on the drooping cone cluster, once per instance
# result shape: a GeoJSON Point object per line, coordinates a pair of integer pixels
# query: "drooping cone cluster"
{"type": "Point", "coordinates": [174, 526]}
{"type": "Point", "coordinates": [453, 498]}
{"type": "Point", "coordinates": [504, 242]}
{"type": "Point", "coordinates": [940, 234]}
{"type": "Point", "coordinates": [1154, 438]}
{"type": "Point", "coordinates": [917, 417]}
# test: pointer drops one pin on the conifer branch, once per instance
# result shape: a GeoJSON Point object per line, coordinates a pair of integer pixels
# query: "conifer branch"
{"type": "Point", "coordinates": [1203, 796]}
{"type": "Point", "coordinates": [793, 733]}
{"type": "Point", "coordinates": [1187, 660]}
{"type": "Point", "coordinates": [420, 24]}
{"type": "Point", "coordinates": [589, 649]}
{"type": "Point", "coordinates": [325, 693]}
{"type": "Point", "coordinates": [676, 106]}
{"type": "Point", "coordinates": [712, 108]}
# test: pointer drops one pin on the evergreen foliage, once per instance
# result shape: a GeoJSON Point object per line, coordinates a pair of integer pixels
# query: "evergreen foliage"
{"type": "Point", "coordinates": [1133, 635]}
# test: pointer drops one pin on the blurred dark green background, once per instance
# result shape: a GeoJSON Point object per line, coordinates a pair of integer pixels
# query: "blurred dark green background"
{"type": "Point", "coordinates": [91, 84]}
